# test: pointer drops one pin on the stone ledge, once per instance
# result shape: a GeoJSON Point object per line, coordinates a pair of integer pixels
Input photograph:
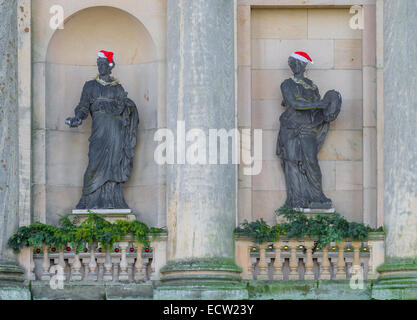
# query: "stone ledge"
{"type": "Point", "coordinates": [307, 290]}
{"type": "Point", "coordinates": [14, 293]}
{"type": "Point", "coordinates": [102, 211]}
{"type": "Point", "coordinates": [203, 290]}
{"type": "Point", "coordinates": [41, 290]}
{"type": "Point", "coordinates": [111, 215]}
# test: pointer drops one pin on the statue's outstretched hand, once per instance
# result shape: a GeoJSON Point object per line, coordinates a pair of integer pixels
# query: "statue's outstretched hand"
{"type": "Point", "coordinates": [73, 122]}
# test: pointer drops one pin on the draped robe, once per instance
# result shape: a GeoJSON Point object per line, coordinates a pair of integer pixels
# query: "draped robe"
{"type": "Point", "coordinates": [112, 143]}
{"type": "Point", "coordinates": [302, 134]}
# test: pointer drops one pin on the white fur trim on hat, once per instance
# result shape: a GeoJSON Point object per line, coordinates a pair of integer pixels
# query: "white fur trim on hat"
{"type": "Point", "coordinates": [301, 58]}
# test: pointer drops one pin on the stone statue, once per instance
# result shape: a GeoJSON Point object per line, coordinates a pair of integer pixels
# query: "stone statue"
{"type": "Point", "coordinates": [112, 141]}
{"type": "Point", "coordinates": [304, 126]}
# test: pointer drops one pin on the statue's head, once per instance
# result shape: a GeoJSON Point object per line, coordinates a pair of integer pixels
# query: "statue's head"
{"type": "Point", "coordinates": [105, 62]}
{"type": "Point", "coordinates": [104, 67]}
{"type": "Point", "coordinates": [297, 66]}
{"type": "Point", "coordinates": [298, 62]}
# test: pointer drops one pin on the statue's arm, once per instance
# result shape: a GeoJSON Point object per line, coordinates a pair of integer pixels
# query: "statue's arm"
{"type": "Point", "coordinates": [298, 104]}
{"type": "Point", "coordinates": [82, 109]}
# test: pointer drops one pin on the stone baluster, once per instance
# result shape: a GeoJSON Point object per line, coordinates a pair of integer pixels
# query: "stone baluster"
{"type": "Point", "coordinates": [148, 267]}
{"type": "Point", "coordinates": [100, 263]}
{"type": "Point", "coordinates": [278, 275]}
{"type": "Point", "coordinates": [92, 274]}
{"type": "Point", "coordinates": [45, 263]}
{"type": "Point", "coordinates": [251, 264]}
{"type": "Point", "coordinates": [61, 263]}
{"type": "Point", "coordinates": [130, 268]}
{"type": "Point", "coordinates": [356, 247]}
{"type": "Point", "coordinates": [292, 244]}
{"type": "Point", "coordinates": [76, 268]}
{"type": "Point", "coordinates": [325, 264]}
{"type": "Point", "coordinates": [151, 264]}
{"type": "Point", "coordinates": [356, 265]}
{"type": "Point", "coordinates": [263, 266]}
{"type": "Point", "coordinates": [123, 275]}
{"type": "Point", "coordinates": [341, 273]}
{"type": "Point", "coordinates": [139, 275]}
{"type": "Point", "coordinates": [371, 274]}
{"type": "Point", "coordinates": [85, 262]}
{"type": "Point", "coordinates": [309, 275]}
{"type": "Point", "coordinates": [108, 276]}
{"type": "Point", "coordinates": [116, 262]}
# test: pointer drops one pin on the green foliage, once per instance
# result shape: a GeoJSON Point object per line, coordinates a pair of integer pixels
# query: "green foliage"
{"type": "Point", "coordinates": [324, 229]}
{"type": "Point", "coordinates": [34, 235]}
{"type": "Point", "coordinates": [93, 229]}
{"type": "Point", "coordinates": [259, 231]}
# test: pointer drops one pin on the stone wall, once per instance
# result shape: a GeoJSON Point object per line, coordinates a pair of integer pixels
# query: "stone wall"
{"type": "Point", "coordinates": [266, 37]}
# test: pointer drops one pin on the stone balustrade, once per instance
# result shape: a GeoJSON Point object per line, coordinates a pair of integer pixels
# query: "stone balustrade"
{"type": "Point", "coordinates": [285, 259]}
{"type": "Point", "coordinates": [126, 261]}
{"type": "Point", "coordinates": [290, 259]}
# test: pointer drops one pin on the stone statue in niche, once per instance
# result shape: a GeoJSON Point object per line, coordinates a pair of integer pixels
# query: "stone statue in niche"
{"type": "Point", "coordinates": [113, 138]}
{"type": "Point", "coordinates": [304, 126]}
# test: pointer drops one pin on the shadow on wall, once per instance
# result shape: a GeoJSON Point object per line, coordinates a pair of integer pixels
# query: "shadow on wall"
{"type": "Point", "coordinates": [70, 62]}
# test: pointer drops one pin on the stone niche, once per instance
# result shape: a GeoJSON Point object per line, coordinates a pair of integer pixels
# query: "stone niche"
{"type": "Point", "coordinates": [61, 153]}
{"type": "Point", "coordinates": [266, 37]}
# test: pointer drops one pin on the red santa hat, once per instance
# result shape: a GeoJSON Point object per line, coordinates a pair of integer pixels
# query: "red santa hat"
{"type": "Point", "coordinates": [108, 55]}
{"type": "Point", "coordinates": [303, 56]}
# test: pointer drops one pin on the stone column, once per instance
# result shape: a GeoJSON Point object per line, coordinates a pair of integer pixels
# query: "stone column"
{"type": "Point", "coordinates": [398, 275]}
{"type": "Point", "coordinates": [201, 198]}
{"type": "Point", "coordinates": [11, 275]}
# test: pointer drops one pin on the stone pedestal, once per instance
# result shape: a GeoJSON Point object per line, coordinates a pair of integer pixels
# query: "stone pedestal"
{"type": "Point", "coordinates": [311, 213]}
{"type": "Point", "coordinates": [112, 215]}
{"type": "Point", "coordinates": [11, 275]}
{"type": "Point", "coordinates": [201, 197]}
{"type": "Point", "coordinates": [398, 275]}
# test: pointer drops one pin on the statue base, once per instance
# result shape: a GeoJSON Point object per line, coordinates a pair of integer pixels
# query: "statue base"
{"type": "Point", "coordinates": [310, 213]}
{"type": "Point", "coordinates": [112, 215]}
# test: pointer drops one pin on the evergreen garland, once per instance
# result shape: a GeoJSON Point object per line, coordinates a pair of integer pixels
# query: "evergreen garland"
{"type": "Point", "coordinates": [93, 229]}
{"type": "Point", "coordinates": [324, 229]}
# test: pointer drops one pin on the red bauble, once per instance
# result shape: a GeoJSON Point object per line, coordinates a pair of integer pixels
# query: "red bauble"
{"type": "Point", "coordinates": [53, 249]}
{"type": "Point", "coordinates": [146, 249]}
{"type": "Point", "coordinates": [68, 249]}
{"type": "Point", "coordinates": [85, 250]}
{"type": "Point", "coordinates": [38, 250]}
{"type": "Point", "coordinates": [132, 249]}
{"type": "Point", "coordinates": [100, 250]}
{"type": "Point", "coordinates": [116, 250]}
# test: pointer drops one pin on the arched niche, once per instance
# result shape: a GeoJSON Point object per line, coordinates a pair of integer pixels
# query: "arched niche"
{"type": "Point", "coordinates": [70, 62]}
